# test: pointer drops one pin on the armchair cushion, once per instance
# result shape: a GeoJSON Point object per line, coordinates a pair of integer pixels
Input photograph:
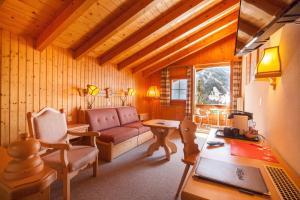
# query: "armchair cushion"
{"type": "Point", "coordinates": [101, 119]}
{"type": "Point", "coordinates": [78, 156]}
{"type": "Point", "coordinates": [138, 125]}
{"type": "Point", "coordinates": [127, 115]}
{"type": "Point", "coordinates": [51, 126]}
{"type": "Point", "coordinates": [118, 134]}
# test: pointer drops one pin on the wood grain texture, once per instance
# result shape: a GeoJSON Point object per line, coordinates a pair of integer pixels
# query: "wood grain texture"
{"type": "Point", "coordinates": [270, 7]}
{"type": "Point", "coordinates": [197, 36]}
{"type": "Point", "coordinates": [209, 16]}
{"type": "Point", "coordinates": [31, 80]}
{"type": "Point", "coordinates": [219, 52]}
{"type": "Point", "coordinates": [173, 112]}
{"type": "Point", "coordinates": [171, 14]}
{"type": "Point", "coordinates": [74, 9]}
{"type": "Point", "coordinates": [107, 30]}
{"type": "Point", "coordinates": [217, 36]}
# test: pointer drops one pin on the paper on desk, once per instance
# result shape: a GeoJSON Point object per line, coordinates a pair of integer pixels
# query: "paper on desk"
{"type": "Point", "coordinates": [253, 151]}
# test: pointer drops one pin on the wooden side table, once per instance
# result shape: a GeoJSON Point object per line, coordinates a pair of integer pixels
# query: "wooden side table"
{"type": "Point", "coordinates": [162, 129]}
{"type": "Point", "coordinates": [77, 128]}
{"type": "Point", "coordinates": [30, 188]}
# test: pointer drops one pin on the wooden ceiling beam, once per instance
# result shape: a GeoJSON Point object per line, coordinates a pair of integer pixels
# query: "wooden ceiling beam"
{"type": "Point", "coordinates": [74, 10]}
{"type": "Point", "coordinates": [222, 8]}
{"type": "Point", "coordinates": [109, 28]}
{"type": "Point", "coordinates": [247, 27]}
{"type": "Point", "coordinates": [196, 37]}
{"type": "Point", "coordinates": [163, 19]}
{"type": "Point", "coordinates": [192, 49]}
{"type": "Point", "coordinates": [269, 6]}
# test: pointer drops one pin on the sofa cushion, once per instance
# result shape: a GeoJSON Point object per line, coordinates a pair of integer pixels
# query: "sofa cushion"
{"type": "Point", "coordinates": [103, 118]}
{"type": "Point", "coordinates": [139, 126]}
{"type": "Point", "coordinates": [127, 115]}
{"type": "Point", "coordinates": [118, 134]}
{"type": "Point", "coordinates": [78, 156]}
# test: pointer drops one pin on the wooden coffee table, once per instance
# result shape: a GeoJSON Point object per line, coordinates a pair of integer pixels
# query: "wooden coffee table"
{"type": "Point", "coordinates": [161, 129]}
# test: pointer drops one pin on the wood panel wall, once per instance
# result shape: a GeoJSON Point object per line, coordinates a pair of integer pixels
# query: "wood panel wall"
{"type": "Point", "coordinates": [175, 110]}
{"type": "Point", "coordinates": [31, 80]}
{"type": "Point", "coordinates": [221, 51]}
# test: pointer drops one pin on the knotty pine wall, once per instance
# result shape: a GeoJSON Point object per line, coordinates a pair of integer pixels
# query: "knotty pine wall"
{"type": "Point", "coordinates": [31, 80]}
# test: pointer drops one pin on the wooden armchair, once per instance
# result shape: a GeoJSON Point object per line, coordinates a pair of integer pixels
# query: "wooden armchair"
{"type": "Point", "coordinates": [187, 133]}
{"type": "Point", "coordinates": [50, 127]}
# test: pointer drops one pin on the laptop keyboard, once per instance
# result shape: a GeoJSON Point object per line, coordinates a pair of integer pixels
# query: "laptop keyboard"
{"type": "Point", "coordinates": [284, 185]}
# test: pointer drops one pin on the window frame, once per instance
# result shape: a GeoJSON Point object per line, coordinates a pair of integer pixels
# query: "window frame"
{"type": "Point", "coordinates": [203, 67]}
{"type": "Point", "coordinates": [171, 81]}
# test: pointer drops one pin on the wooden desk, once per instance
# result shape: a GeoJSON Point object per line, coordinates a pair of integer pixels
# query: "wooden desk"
{"type": "Point", "coordinates": [195, 189]}
{"type": "Point", "coordinates": [162, 129]}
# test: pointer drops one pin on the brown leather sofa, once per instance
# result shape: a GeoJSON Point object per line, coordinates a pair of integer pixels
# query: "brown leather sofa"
{"type": "Point", "coordinates": [120, 128]}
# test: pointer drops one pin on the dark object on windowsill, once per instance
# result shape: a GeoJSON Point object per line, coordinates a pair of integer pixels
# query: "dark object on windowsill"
{"type": "Point", "coordinates": [234, 135]}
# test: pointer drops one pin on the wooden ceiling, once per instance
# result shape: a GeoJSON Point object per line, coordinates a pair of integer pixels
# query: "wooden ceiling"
{"type": "Point", "coordinates": [255, 15]}
{"type": "Point", "coordinates": [143, 35]}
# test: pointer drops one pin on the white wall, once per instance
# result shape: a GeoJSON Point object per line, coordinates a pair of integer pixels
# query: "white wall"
{"type": "Point", "coordinates": [277, 112]}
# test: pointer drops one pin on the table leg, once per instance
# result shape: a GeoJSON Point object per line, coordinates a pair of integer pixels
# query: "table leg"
{"type": "Point", "coordinates": [153, 147]}
{"type": "Point", "coordinates": [172, 146]}
{"type": "Point", "coordinates": [162, 140]}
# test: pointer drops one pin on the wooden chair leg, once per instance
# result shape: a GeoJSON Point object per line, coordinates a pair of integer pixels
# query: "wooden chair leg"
{"type": "Point", "coordinates": [66, 187]}
{"type": "Point", "coordinates": [95, 168]}
{"type": "Point", "coordinates": [186, 170]}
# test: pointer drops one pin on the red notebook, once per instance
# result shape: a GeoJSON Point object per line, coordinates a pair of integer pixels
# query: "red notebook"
{"type": "Point", "coordinates": [254, 151]}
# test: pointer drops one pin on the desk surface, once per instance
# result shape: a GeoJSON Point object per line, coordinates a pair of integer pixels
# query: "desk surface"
{"type": "Point", "coordinates": [202, 189]}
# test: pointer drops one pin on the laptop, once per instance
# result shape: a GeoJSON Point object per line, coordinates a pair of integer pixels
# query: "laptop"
{"type": "Point", "coordinates": [247, 179]}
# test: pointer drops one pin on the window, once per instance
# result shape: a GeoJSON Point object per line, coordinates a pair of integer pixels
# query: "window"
{"type": "Point", "coordinates": [213, 86]}
{"type": "Point", "coordinates": [179, 87]}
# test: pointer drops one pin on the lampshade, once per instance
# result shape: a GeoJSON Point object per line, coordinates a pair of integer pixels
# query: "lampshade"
{"type": "Point", "coordinates": [131, 92]}
{"type": "Point", "coordinates": [93, 90]}
{"type": "Point", "coordinates": [153, 92]}
{"type": "Point", "coordinates": [269, 66]}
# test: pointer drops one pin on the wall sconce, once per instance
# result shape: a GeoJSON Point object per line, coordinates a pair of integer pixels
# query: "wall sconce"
{"type": "Point", "coordinates": [269, 66]}
{"type": "Point", "coordinates": [153, 92]}
{"type": "Point", "coordinates": [125, 94]}
{"type": "Point", "coordinates": [92, 90]}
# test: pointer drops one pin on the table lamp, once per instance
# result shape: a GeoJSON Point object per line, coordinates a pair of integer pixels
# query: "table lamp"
{"type": "Point", "coordinates": [153, 92]}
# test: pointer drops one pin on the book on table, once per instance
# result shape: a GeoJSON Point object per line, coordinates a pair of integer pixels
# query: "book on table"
{"type": "Point", "coordinates": [246, 178]}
